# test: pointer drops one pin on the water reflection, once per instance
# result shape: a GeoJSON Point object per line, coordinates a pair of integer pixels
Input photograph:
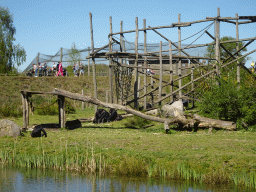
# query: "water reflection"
{"type": "Point", "coordinates": [21, 179]}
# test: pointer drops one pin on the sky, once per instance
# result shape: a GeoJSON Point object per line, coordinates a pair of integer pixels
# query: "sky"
{"type": "Point", "coordinates": [46, 25]}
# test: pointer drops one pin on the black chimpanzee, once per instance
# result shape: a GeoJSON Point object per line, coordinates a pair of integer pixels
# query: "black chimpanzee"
{"type": "Point", "coordinates": [37, 132]}
{"type": "Point", "coordinates": [113, 115]}
{"type": "Point", "coordinates": [101, 116]}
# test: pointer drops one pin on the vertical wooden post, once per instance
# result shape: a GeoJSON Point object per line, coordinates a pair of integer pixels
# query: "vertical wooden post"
{"type": "Point", "coordinates": [171, 68]}
{"type": "Point", "coordinates": [61, 55]}
{"type": "Point", "coordinates": [145, 64]}
{"type": "Point", "coordinates": [110, 62]}
{"type": "Point", "coordinates": [217, 44]}
{"type": "Point", "coordinates": [237, 48]}
{"type": "Point", "coordinates": [136, 64]}
{"type": "Point", "coordinates": [152, 94]}
{"type": "Point", "coordinates": [161, 71]}
{"type": "Point", "coordinates": [138, 95]}
{"type": "Point", "coordinates": [61, 104]}
{"type": "Point", "coordinates": [179, 65]}
{"type": "Point", "coordinates": [25, 110]}
{"type": "Point", "coordinates": [89, 61]}
{"type": "Point", "coordinates": [192, 86]}
{"type": "Point", "coordinates": [82, 101]}
{"type": "Point", "coordinates": [106, 96]}
{"type": "Point", "coordinates": [93, 63]}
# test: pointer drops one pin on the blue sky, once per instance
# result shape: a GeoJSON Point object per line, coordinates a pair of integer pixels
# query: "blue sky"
{"type": "Point", "coordinates": [46, 25]}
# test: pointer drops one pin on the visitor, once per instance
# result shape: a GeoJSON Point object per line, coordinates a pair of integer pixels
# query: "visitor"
{"type": "Point", "coordinates": [60, 70]}
{"type": "Point", "coordinates": [45, 69]}
{"type": "Point", "coordinates": [76, 69]}
{"type": "Point", "coordinates": [57, 68]}
{"type": "Point", "coordinates": [35, 68]}
{"type": "Point", "coordinates": [81, 70]}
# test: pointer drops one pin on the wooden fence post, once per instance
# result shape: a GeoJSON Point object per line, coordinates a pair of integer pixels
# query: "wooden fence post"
{"type": "Point", "coordinates": [110, 63]}
{"type": "Point", "coordinates": [136, 64]}
{"type": "Point", "coordinates": [161, 72]}
{"type": "Point", "coordinates": [61, 106]}
{"type": "Point", "coordinates": [179, 65]}
{"type": "Point", "coordinates": [152, 94]}
{"type": "Point", "coordinates": [83, 101]}
{"type": "Point", "coordinates": [93, 63]}
{"type": "Point", "coordinates": [145, 64]}
{"type": "Point", "coordinates": [237, 48]}
{"type": "Point", "coordinates": [171, 68]}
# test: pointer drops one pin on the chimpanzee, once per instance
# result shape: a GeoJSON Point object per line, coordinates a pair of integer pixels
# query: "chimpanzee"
{"type": "Point", "coordinates": [101, 116]}
{"type": "Point", "coordinates": [113, 115]}
{"type": "Point", "coordinates": [37, 132]}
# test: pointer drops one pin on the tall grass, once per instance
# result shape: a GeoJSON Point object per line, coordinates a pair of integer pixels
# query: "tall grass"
{"type": "Point", "coordinates": [70, 156]}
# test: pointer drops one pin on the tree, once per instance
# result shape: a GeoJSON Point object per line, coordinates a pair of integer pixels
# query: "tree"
{"type": "Point", "coordinates": [74, 54]}
{"type": "Point", "coordinates": [231, 47]}
{"type": "Point", "coordinates": [10, 54]}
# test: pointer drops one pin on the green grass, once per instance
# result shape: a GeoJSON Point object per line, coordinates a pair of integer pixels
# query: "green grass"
{"type": "Point", "coordinates": [111, 148]}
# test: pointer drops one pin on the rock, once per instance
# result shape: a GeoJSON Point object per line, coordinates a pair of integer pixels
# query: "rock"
{"type": "Point", "coordinates": [9, 128]}
{"type": "Point", "coordinates": [173, 110]}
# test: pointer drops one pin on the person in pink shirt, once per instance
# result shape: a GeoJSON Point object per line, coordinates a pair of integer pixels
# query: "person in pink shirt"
{"type": "Point", "coordinates": [60, 70]}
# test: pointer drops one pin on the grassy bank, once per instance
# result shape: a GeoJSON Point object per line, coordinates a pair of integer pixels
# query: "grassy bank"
{"type": "Point", "coordinates": [221, 157]}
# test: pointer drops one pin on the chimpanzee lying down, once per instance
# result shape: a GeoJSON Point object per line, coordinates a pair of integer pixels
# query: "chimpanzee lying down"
{"type": "Point", "coordinates": [102, 116]}
{"type": "Point", "coordinates": [37, 132]}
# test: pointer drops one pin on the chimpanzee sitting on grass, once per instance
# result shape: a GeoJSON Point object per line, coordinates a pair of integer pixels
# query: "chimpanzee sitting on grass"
{"type": "Point", "coordinates": [102, 116]}
{"type": "Point", "coordinates": [37, 132]}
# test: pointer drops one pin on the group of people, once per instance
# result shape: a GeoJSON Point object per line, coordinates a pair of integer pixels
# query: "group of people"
{"type": "Point", "coordinates": [42, 67]}
{"type": "Point", "coordinates": [78, 70]}
{"type": "Point", "coordinates": [58, 69]}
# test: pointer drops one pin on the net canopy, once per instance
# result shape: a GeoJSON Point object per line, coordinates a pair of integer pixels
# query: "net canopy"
{"type": "Point", "coordinates": [129, 47]}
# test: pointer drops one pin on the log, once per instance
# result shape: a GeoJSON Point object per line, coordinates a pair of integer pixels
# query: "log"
{"type": "Point", "coordinates": [194, 122]}
{"type": "Point", "coordinates": [181, 120]}
{"type": "Point", "coordinates": [214, 123]}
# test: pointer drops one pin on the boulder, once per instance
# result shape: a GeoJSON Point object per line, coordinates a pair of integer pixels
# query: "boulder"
{"type": "Point", "coordinates": [9, 128]}
{"type": "Point", "coordinates": [173, 110]}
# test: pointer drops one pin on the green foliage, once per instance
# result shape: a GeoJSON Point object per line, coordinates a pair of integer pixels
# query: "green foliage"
{"type": "Point", "coordinates": [74, 54]}
{"type": "Point", "coordinates": [226, 101]}
{"type": "Point", "coordinates": [231, 47]}
{"type": "Point", "coordinates": [136, 122]}
{"type": "Point", "coordinates": [9, 53]}
{"type": "Point", "coordinates": [10, 111]}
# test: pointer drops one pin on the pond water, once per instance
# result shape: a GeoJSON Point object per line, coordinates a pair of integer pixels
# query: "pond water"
{"type": "Point", "coordinates": [29, 180]}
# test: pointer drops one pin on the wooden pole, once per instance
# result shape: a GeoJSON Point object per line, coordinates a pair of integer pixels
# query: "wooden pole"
{"type": "Point", "coordinates": [217, 43]}
{"type": "Point", "coordinates": [110, 63]}
{"type": "Point", "coordinates": [93, 63]}
{"type": "Point", "coordinates": [82, 102]}
{"type": "Point", "coordinates": [171, 68]}
{"type": "Point", "coordinates": [179, 64]}
{"type": "Point", "coordinates": [136, 64]}
{"type": "Point", "coordinates": [61, 54]}
{"type": "Point", "coordinates": [138, 93]}
{"type": "Point", "coordinates": [106, 96]}
{"type": "Point", "coordinates": [161, 72]}
{"type": "Point", "coordinates": [237, 48]}
{"type": "Point", "coordinates": [88, 61]}
{"type": "Point", "coordinates": [152, 94]}
{"type": "Point", "coordinates": [61, 106]}
{"type": "Point", "coordinates": [145, 64]}
{"type": "Point", "coordinates": [192, 86]}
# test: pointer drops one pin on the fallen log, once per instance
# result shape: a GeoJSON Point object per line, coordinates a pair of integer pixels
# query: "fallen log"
{"type": "Point", "coordinates": [181, 120]}
{"type": "Point", "coordinates": [214, 123]}
{"type": "Point", "coordinates": [167, 122]}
